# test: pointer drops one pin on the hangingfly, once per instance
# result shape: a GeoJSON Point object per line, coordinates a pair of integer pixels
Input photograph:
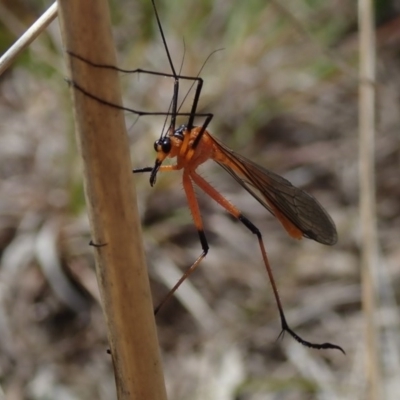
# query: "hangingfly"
{"type": "Point", "coordinates": [299, 213]}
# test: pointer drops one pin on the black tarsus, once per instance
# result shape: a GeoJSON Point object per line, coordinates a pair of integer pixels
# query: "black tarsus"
{"type": "Point", "coordinates": [285, 326]}
{"type": "Point", "coordinates": [295, 336]}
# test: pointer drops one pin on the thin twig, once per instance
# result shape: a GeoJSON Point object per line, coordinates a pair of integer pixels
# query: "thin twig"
{"type": "Point", "coordinates": [369, 246]}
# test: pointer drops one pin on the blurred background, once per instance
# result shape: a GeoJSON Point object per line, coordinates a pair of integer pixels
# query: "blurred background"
{"type": "Point", "coordinates": [283, 91]}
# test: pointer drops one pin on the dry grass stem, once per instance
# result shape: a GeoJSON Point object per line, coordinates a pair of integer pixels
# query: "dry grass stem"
{"type": "Point", "coordinates": [27, 38]}
{"type": "Point", "coordinates": [369, 246]}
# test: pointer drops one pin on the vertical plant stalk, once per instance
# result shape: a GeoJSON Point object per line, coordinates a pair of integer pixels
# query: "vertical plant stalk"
{"type": "Point", "coordinates": [111, 203]}
{"type": "Point", "coordinates": [369, 246]}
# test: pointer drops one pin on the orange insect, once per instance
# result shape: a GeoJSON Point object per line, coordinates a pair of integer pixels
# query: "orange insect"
{"type": "Point", "coordinates": [299, 213]}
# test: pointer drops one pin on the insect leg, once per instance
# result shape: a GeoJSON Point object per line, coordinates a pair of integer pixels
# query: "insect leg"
{"type": "Point", "coordinates": [214, 194]}
{"type": "Point", "coordinates": [131, 110]}
{"type": "Point", "coordinates": [131, 71]}
{"type": "Point", "coordinates": [195, 210]}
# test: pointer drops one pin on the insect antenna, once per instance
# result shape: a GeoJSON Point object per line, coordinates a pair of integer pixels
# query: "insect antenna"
{"type": "Point", "coordinates": [197, 94]}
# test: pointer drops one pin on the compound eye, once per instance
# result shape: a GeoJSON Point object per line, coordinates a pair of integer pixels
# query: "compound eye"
{"type": "Point", "coordinates": [166, 145]}
{"type": "Point", "coordinates": [163, 145]}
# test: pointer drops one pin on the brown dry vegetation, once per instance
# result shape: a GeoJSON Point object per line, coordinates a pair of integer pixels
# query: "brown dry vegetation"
{"type": "Point", "coordinates": [278, 99]}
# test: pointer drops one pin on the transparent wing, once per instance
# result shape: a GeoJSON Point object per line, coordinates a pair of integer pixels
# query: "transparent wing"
{"type": "Point", "coordinates": [280, 197]}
